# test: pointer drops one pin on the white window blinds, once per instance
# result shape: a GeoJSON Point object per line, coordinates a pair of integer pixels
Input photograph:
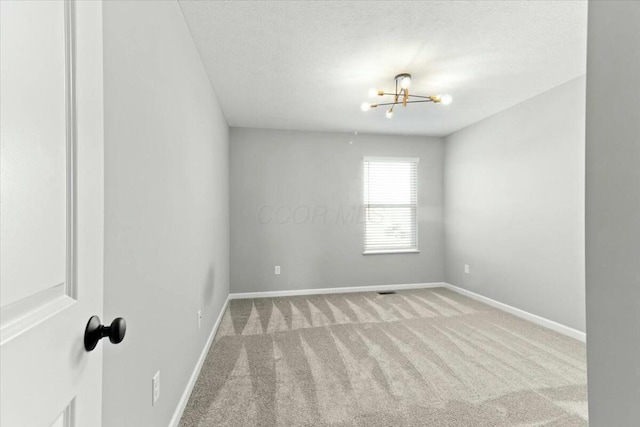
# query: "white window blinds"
{"type": "Point", "coordinates": [390, 204]}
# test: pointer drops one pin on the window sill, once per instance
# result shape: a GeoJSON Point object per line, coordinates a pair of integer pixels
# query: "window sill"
{"type": "Point", "coordinates": [392, 251]}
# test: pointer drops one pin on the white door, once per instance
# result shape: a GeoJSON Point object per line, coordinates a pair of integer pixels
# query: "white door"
{"type": "Point", "coordinates": [51, 212]}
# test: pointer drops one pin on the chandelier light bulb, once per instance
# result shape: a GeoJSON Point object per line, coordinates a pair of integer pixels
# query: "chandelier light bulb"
{"type": "Point", "coordinates": [389, 114]}
{"type": "Point", "coordinates": [405, 82]}
{"type": "Point", "coordinates": [373, 92]}
{"type": "Point", "coordinates": [445, 99]}
{"type": "Point", "coordinates": [365, 106]}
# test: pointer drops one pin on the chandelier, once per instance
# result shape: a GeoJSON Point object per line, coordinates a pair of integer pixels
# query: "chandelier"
{"type": "Point", "coordinates": [402, 96]}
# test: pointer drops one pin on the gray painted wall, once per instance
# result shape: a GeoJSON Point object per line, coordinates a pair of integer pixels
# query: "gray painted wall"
{"type": "Point", "coordinates": [514, 206]}
{"type": "Point", "coordinates": [295, 199]}
{"type": "Point", "coordinates": [166, 179]}
{"type": "Point", "coordinates": [613, 213]}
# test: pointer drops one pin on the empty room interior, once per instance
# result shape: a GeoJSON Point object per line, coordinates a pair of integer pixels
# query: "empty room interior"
{"type": "Point", "coordinates": [320, 213]}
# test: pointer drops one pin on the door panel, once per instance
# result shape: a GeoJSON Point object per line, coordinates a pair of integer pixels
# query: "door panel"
{"type": "Point", "coordinates": [33, 115]}
{"type": "Point", "coordinates": [51, 213]}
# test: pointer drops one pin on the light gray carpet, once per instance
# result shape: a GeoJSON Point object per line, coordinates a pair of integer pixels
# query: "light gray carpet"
{"type": "Point", "coordinates": [428, 357]}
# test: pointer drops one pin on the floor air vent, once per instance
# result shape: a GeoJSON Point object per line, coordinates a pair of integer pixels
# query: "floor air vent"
{"type": "Point", "coordinates": [386, 292]}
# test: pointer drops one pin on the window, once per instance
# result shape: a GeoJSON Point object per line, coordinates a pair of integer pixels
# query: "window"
{"type": "Point", "coordinates": [390, 204]}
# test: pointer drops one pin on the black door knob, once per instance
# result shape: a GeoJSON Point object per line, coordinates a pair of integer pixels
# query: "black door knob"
{"type": "Point", "coordinates": [95, 331]}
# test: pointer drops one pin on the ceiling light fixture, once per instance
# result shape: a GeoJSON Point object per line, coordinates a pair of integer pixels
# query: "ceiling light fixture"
{"type": "Point", "coordinates": [401, 96]}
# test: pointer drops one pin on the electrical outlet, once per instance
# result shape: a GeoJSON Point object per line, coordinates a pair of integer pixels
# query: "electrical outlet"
{"type": "Point", "coordinates": [199, 318]}
{"type": "Point", "coordinates": [466, 269]}
{"type": "Point", "coordinates": [155, 388]}
{"type": "Point", "coordinates": [277, 269]}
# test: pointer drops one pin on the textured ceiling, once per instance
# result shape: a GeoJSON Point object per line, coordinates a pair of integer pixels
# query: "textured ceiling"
{"type": "Point", "coordinates": [309, 65]}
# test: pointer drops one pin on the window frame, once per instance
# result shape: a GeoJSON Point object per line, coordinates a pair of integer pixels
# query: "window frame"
{"type": "Point", "coordinates": [366, 206]}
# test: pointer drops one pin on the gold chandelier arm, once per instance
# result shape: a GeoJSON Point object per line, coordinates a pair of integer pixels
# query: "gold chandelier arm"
{"type": "Point", "coordinates": [431, 97]}
{"type": "Point", "coordinates": [396, 103]}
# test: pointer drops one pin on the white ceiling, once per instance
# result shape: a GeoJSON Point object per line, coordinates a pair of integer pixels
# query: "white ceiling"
{"type": "Point", "coordinates": [309, 65]}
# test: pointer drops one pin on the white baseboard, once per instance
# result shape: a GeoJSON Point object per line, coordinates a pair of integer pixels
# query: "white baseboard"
{"type": "Point", "coordinates": [319, 291]}
{"type": "Point", "coordinates": [182, 404]}
{"type": "Point", "coordinates": [550, 324]}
